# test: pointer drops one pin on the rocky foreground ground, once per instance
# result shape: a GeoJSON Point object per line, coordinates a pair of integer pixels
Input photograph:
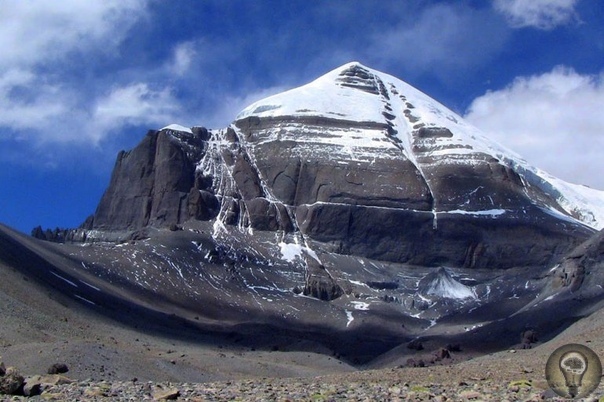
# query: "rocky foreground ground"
{"type": "Point", "coordinates": [390, 388]}
{"type": "Point", "coordinates": [505, 376]}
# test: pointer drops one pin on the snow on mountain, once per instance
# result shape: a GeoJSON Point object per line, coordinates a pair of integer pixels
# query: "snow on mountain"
{"type": "Point", "coordinates": [442, 284]}
{"type": "Point", "coordinates": [375, 98]}
{"type": "Point", "coordinates": [584, 203]}
{"type": "Point", "coordinates": [177, 127]}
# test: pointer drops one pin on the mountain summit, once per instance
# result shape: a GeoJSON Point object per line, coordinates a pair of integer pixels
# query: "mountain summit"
{"type": "Point", "coordinates": [355, 212]}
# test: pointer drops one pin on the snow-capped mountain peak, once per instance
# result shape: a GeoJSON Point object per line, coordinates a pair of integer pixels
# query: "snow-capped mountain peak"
{"type": "Point", "coordinates": [412, 124]}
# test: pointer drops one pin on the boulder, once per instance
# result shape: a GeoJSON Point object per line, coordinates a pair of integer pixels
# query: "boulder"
{"type": "Point", "coordinates": [11, 382]}
{"type": "Point", "coordinates": [442, 354]}
{"type": "Point", "coordinates": [415, 344]}
{"type": "Point", "coordinates": [319, 284]}
{"type": "Point", "coordinates": [32, 388]}
{"type": "Point", "coordinates": [58, 368]}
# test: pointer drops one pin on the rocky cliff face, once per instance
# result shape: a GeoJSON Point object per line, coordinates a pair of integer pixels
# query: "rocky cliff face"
{"type": "Point", "coordinates": [358, 162]}
{"type": "Point", "coordinates": [581, 265]}
{"type": "Point", "coordinates": [154, 183]}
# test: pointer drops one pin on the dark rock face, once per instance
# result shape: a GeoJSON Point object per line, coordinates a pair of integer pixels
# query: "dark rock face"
{"type": "Point", "coordinates": [202, 204]}
{"type": "Point", "coordinates": [583, 263]}
{"type": "Point", "coordinates": [359, 208]}
{"type": "Point", "coordinates": [154, 184]}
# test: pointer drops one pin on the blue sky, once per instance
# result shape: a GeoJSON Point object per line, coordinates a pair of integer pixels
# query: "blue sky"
{"type": "Point", "coordinates": [81, 80]}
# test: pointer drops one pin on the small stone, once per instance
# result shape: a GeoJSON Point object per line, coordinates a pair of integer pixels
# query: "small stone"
{"type": "Point", "coordinates": [57, 379]}
{"type": "Point", "coordinates": [96, 392]}
{"type": "Point", "coordinates": [470, 395]}
{"type": "Point", "coordinates": [166, 394]}
{"type": "Point", "coordinates": [442, 353]}
{"type": "Point", "coordinates": [395, 390]}
{"type": "Point", "coordinates": [58, 368]}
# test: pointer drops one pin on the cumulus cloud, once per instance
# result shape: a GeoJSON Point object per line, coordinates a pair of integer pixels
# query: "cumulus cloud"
{"type": "Point", "coordinates": [26, 102]}
{"type": "Point", "coordinates": [40, 102]}
{"type": "Point", "coordinates": [541, 14]}
{"type": "Point", "coordinates": [553, 120]}
{"type": "Point", "coordinates": [35, 31]}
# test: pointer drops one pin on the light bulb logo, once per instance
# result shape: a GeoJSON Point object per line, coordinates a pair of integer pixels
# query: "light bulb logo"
{"type": "Point", "coordinates": [573, 371]}
{"type": "Point", "coordinates": [573, 366]}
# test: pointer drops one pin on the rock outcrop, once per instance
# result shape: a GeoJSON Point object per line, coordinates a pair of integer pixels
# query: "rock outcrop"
{"type": "Point", "coordinates": [11, 381]}
{"type": "Point", "coordinates": [155, 184]}
{"type": "Point", "coordinates": [585, 262]}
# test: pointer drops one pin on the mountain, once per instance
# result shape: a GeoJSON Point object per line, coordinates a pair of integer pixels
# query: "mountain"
{"type": "Point", "coordinates": [365, 165]}
{"type": "Point", "coordinates": [354, 213]}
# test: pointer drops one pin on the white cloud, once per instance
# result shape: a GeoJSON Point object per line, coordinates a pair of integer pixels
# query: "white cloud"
{"type": "Point", "coordinates": [36, 31]}
{"type": "Point", "coordinates": [132, 105]}
{"type": "Point", "coordinates": [42, 104]}
{"type": "Point", "coordinates": [442, 37]}
{"type": "Point", "coordinates": [184, 54]}
{"type": "Point", "coordinates": [29, 105]}
{"type": "Point", "coordinates": [541, 14]}
{"type": "Point", "coordinates": [554, 120]}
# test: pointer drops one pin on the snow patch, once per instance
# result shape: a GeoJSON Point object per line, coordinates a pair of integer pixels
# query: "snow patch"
{"type": "Point", "coordinates": [65, 279]}
{"type": "Point", "coordinates": [349, 317]}
{"type": "Point", "coordinates": [291, 251]}
{"type": "Point", "coordinates": [360, 305]}
{"type": "Point", "coordinates": [90, 286]}
{"type": "Point", "coordinates": [85, 300]}
{"type": "Point", "coordinates": [488, 212]}
{"type": "Point", "coordinates": [445, 286]}
{"type": "Point", "coordinates": [177, 127]}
